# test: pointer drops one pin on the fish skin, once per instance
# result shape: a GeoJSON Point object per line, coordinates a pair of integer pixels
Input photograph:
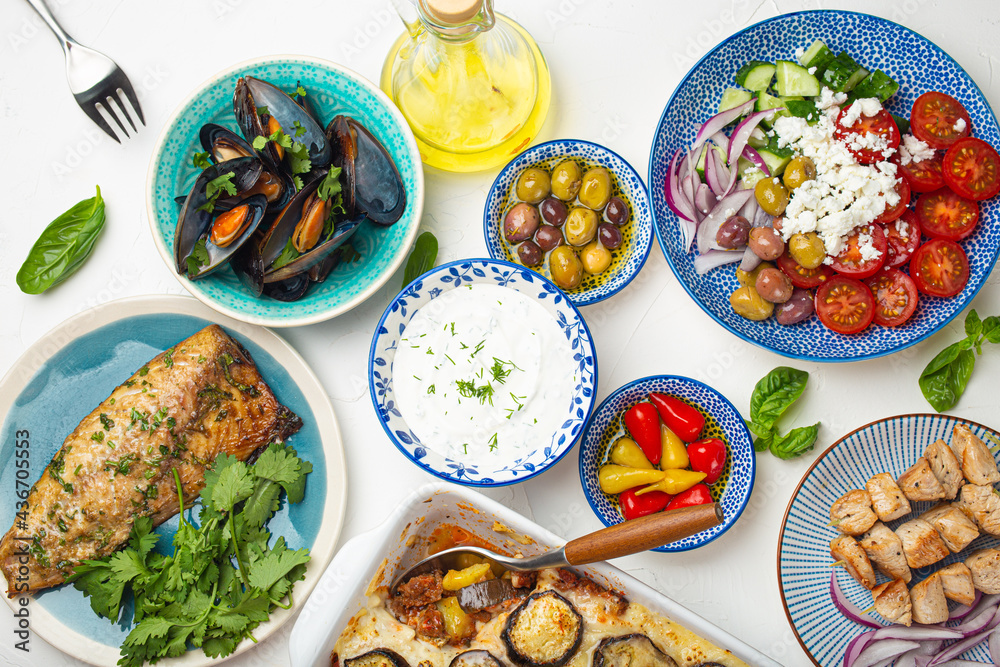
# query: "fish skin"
{"type": "Point", "coordinates": [89, 495]}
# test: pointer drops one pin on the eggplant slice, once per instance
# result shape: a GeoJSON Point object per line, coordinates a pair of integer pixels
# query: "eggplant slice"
{"type": "Point", "coordinates": [478, 658]}
{"type": "Point", "coordinates": [380, 657]}
{"type": "Point", "coordinates": [636, 650]}
{"type": "Point", "coordinates": [543, 631]}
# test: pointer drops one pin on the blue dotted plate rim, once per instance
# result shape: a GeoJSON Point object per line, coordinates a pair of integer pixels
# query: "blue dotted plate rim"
{"type": "Point", "coordinates": [742, 430]}
{"type": "Point", "coordinates": [643, 243]}
{"type": "Point", "coordinates": [965, 297]}
{"type": "Point", "coordinates": [465, 481]}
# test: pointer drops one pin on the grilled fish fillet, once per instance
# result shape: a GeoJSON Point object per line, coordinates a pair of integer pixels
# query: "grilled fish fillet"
{"type": "Point", "coordinates": [196, 400]}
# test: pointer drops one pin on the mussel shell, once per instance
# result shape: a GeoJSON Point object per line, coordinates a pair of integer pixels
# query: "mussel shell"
{"type": "Point", "coordinates": [338, 132]}
{"type": "Point", "coordinates": [211, 133]}
{"type": "Point", "coordinates": [287, 190]}
{"type": "Point", "coordinates": [252, 94]}
{"type": "Point", "coordinates": [248, 266]}
{"type": "Point", "coordinates": [291, 289]}
{"type": "Point", "coordinates": [217, 256]}
{"type": "Point", "coordinates": [321, 269]}
{"type": "Point", "coordinates": [372, 181]}
{"type": "Point", "coordinates": [341, 234]}
{"type": "Point", "coordinates": [192, 221]}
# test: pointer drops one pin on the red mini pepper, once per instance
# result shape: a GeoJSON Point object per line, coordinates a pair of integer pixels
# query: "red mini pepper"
{"type": "Point", "coordinates": [708, 456]}
{"type": "Point", "coordinates": [683, 419]}
{"type": "Point", "coordinates": [634, 506]}
{"type": "Point", "coordinates": [696, 495]}
{"type": "Point", "coordinates": [643, 424]}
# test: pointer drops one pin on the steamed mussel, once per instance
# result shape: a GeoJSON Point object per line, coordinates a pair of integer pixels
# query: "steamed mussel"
{"type": "Point", "coordinates": [222, 144]}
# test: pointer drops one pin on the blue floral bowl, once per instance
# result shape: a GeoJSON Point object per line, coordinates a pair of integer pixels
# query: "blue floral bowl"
{"type": "Point", "coordinates": [425, 289]}
{"type": "Point", "coordinates": [637, 233]}
{"type": "Point", "coordinates": [912, 60]}
{"type": "Point", "coordinates": [723, 421]}
{"type": "Point", "coordinates": [333, 90]}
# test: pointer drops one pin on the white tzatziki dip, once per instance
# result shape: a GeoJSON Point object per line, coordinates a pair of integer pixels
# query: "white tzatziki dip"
{"type": "Point", "coordinates": [483, 372]}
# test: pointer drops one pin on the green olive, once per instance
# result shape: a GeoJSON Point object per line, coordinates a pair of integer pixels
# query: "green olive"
{"type": "Point", "coordinates": [566, 178]}
{"type": "Point", "coordinates": [750, 277]}
{"type": "Point", "coordinates": [771, 195]}
{"type": "Point", "coordinates": [807, 249]}
{"type": "Point", "coordinates": [565, 268]}
{"type": "Point", "coordinates": [798, 171]}
{"type": "Point", "coordinates": [595, 189]}
{"type": "Point", "coordinates": [746, 302]}
{"type": "Point", "coordinates": [533, 185]}
{"type": "Point", "coordinates": [595, 258]}
{"type": "Point", "coordinates": [581, 226]}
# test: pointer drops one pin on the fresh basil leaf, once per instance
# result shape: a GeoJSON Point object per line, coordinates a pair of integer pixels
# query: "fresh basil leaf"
{"type": "Point", "coordinates": [763, 443]}
{"type": "Point", "coordinates": [797, 442]}
{"type": "Point", "coordinates": [760, 430]}
{"type": "Point", "coordinates": [973, 325]}
{"type": "Point", "coordinates": [943, 386]}
{"type": "Point", "coordinates": [775, 393]}
{"type": "Point", "coordinates": [945, 357]}
{"type": "Point", "coordinates": [63, 246]}
{"type": "Point", "coordinates": [422, 258]}
{"type": "Point", "coordinates": [991, 329]}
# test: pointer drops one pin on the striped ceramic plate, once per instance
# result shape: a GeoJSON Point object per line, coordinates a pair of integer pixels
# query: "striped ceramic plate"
{"type": "Point", "coordinates": [890, 445]}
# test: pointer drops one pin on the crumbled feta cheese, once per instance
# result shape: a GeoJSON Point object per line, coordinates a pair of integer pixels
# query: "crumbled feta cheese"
{"type": "Point", "coordinates": [799, 53]}
{"type": "Point", "coordinates": [868, 106]}
{"type": "Point", "coordinates": [866, 246]}
{"type": "Point", "coordinates": [812, 70]}
{"type": "Point", "coordinates": [730, 212]}
{"type": "Point", "coordinates": [912, 149]}
{"type": "Point", "coordinates": [829, 99]}
{"type": "Point", "coordinates": [959, 125]}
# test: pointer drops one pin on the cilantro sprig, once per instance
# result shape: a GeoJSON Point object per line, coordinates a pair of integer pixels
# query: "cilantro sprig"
{"type": "Point", "coordinates": [222, 580]}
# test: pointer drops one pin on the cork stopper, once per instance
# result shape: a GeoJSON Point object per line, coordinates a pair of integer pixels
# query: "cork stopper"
{"type": "Point", "coordinates": [453, 12]}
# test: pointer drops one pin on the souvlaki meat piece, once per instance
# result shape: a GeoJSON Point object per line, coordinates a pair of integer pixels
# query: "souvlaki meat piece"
{"type": "Point", "coordinates": [885, 550]}
{"type": "Point", "coordinates": [919, 483]}
{"type": "Point", "coordinates": [956, 579]}
{"type": "Point", "coordinates": [852, 513]}
{"type": "Point", "coordinates": [892, 602]}
{"type": "Point", "coordinates": [978, 464]}
{"type": "Point", "coordinates": [982, 505]}
{"type": "Point", "coordinates": [955, 528]}
{"type": "Point", "coordinates": [928, 601]}
{"type": "Point", "coordinates": [921, 544]}
{"type": "Point", "coordinates": [984, 564]}
{"type": "Point", "coordinates": [846, 550]}
{"type": "Point", "coordinates": [946, 467]}
{"type": "Point", "coordinates": [887, 498]}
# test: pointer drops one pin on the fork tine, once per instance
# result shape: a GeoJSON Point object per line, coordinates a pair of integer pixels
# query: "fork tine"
{"type": "Point", "coordinates": [121, 105]}
{"type": "Point", "coordinates": [90, 108]}
{"type": "Point", "coordinates": [106, 103]}
{"type": "Point", "coordinates": [126, 87]}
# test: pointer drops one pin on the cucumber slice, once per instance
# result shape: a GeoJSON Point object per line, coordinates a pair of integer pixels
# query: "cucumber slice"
{"type": "Point", "coordinates": [878, 84]}
{"type": "Point", "coordinates": [733, 97]}
{"type": "Point", "coordinates": [817, 51]}
{"type": "Point", "coordinates": [773, 147]}
{"type": "Point", "coordinates": [843, 73]}
{"type": "Point", "coordinates": [757, 138]}
{"type": "Point", "coordinates": [902, 124]}
{"type": "Point", "coordinates": [750, 174]}
{"type": "Point", "coordinates": [755, 75]}
{"type": "Point", "coordinates": [767, 102]}
{"type": "Point", "coordinates": [802, 109]}
{"type": "Point", "coordinates": [776, 163]}
{"type": "Point", "coordinates": [700, 167]}
{"type": "Point", "coordinates": [794, 79]}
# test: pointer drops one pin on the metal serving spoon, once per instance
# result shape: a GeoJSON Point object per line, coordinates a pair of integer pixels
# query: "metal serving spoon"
{"type": "Point", "coordinates": [623, 539]}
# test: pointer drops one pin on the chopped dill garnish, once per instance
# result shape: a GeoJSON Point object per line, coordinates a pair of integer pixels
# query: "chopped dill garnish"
{"type": "Point", "coordinates": [431, 389]}
{"type": "Point", "coordinates": [493, 442]}
{"type": "Point", "coordinates": [468, 389]}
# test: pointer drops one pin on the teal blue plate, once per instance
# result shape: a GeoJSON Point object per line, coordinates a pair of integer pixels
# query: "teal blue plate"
{"type": "Point", "coordinates": [67, 373]}
{"type": "Point", "coordinates": [333, 90]}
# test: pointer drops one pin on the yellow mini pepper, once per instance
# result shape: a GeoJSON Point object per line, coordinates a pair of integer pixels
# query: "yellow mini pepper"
{"type": "Point", "coordinates": [615, 478]}
{"type": "Point", "coordinates": [626, 452]}
{"type": "Point", "coordinates": [674, 481]}
{"type": "Point", "coordinates": [675, 454]}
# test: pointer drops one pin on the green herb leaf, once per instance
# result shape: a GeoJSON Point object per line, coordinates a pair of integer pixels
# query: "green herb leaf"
{"type": "Point", "coordinates": [299, 129]}
{"type": "Point", "coordinates": [991, 329]}
{"type": "Point", "coordinates": [298, 158]}
{"type": "Point", "coordinates": [288, 255]}
{"type": "Point", "coordinates": [945, 384]}
{"type": "Point", "coordinates": [63, 246]}
{"type": "Point", "coordinates": [422, 257]}
{"type": "Point", "coordinates": [775, 393]}
{"type": "Point", "coordinates": [330, 185]}
{"type": "Point", "coordinates": [299, 92]}
{"type": "Point", "coordinates": [797, 442]}
{"type": "Point", "coordinates": [973, 325]}
{"type": "Point", "coordinates": [198, 258]}
{"type": "Point", "coordinates": [201, 160]}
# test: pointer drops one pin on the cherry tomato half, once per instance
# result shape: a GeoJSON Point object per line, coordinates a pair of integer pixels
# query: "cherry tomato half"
{"type": "Point", "coordinates": [867, 128]}
{"type": "Point", "coordinates": [903, 235]}
{"type": "Point", "coordinates": [801, 276]}
{"type": "Point", "coordinates": [893, 212]}
{"type": "Point", "coordinates": [845, 305]}
{"type": "Point", "coordinates": [935, 120]}
{"type": "Point", "coordinates": [634, 506]}
{"type": "Point", "coordinates": [851, 260]}
{"type": "Point", "coordinates": [895, 297]}
{"type": "Point", "coordinates": [708, 456]}
{"type": "Point", "coordinates": [940, 268]}
{"type": "Point", "coordinates": [684, 420]}
{"type": "Point", "coordinates": [699, 494]}
{"type": "Point", "coordinates": [971, 168]}
{"type": "Point", "coordinates": [923, 176]}
{"type": "Point", "coordinates": [946, 215]}
{"type": "Point", "coordinates": [643, 424]}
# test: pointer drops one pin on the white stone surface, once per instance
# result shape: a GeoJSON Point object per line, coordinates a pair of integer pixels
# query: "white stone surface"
{"type": "Point", "coordinates": [614, 65]}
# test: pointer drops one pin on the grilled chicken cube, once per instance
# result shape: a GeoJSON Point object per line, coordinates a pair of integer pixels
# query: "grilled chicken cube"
{"type": "Point", "coordinates": [892, 602]}
{"type": "Point", "coordinates": [845, 549]}
{"type": "Point", "coordinates": [919, 483]}
{"type": "Point", "coordinates": [885, 550]}
{"type": "Point", "coordinates": [852, 513]}
{"type": "Point", "coordinates": [978, 464]}
{"type": "Point", "coordinates": [982, 505]}
{"type": "Point", "coordinates": [928, 601]}
{"type": "Point", "coordinates": [887, 498]}
{"type": "Point", "coordinates": [951, 523]}
{"type": "Point", "coordinates": [945, 466]}
{"type": "Point", "coordinates": [956, 579]}
{"type": "Point", "coordinates": [921, 544]}
{"type": "Point", "coordinates": [984, 564]}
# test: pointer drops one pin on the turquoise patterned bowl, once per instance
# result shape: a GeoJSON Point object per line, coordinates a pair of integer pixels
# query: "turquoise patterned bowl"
{"type": "Point", "coordinates": [333, 90]}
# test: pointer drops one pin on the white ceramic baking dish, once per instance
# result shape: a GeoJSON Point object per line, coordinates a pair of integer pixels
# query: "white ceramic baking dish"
{"type": "Point", "coordinates": [376, 556]}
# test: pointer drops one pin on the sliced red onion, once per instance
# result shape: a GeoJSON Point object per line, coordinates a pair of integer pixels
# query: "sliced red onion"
{"type": "Point", "coordinates": [749, 210]}
{"type": "Point", "coordinates": [917, 632]}
{"type": "Point", "coordinates": [720, 120]}
{"type": "Point", "coordinates": [856, 646]}
{"type": "Point", "coordinates": [981, 616]}
{"type": "Point", "coordinates": [704, 200]}
{"type": "Point", "coordinates": [675, 200]}
{"type": "Point", "coordinates": [750, 260]}
{"type": "Point", "coordinates": [995, 646]}
{"type": "Point", "coordinates": [705, 262]}
{"type": "Point", "coordinates": [721, 140]}
{"type": "Point", "coordinates": [750, 153]}
{"type": "Point", "coordinates": [738, 140]}
{"type": "Point", "coordinates": [709, 227]}
{"type": "Point", "coordinates": [846, 607]}
{"type": "Point", "coordinates": [958, 648]}
{"type": "Point", "coordinates": [876, 652]}
{"type": "Point", "coordinates": [762, 219]}
{"type": "Point", "coordinates": [961, 611]}
{"type": "Point", "coordinates": [716, 174]}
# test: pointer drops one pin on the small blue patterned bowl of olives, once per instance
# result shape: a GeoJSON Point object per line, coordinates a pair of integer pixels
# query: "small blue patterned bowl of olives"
{"type": "Point", "coordinates": [722, 420]}
{"type": "Point", "coordinates": [575, 212]}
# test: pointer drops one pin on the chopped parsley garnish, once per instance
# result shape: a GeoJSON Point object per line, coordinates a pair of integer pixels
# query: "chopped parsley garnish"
{"type": "Point", "coordinates": [198, 258]}
{"type": "Point", "coordinates": [201, 359]}
{"type": "Point", "coordinates": [299, 92]}
{"type": "Point", "coordinates": [168, 358]}
{"type": "Point", "coordinates": [263, 111]}
{"type": "Point", "coordinates": [201, 160]}
{"type": "Point", "coordinates": [107, 422]}
{"type": "Point", "coordinates": [97, 436]}
{"type": "Point", "coordinates": [144, 371]}
{"type": "Point", "coordinates": [288, 255]}
{"type": "Point", "coordinates": [122, 466]}
{"type": "Point", "coordinates": [216, 187]}
{"type": "Point", "coordinates": [299, 130]}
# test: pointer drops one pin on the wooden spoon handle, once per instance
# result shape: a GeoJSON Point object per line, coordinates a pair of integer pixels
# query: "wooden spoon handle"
{"type": "Point", "coordinates": [647, 532]}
